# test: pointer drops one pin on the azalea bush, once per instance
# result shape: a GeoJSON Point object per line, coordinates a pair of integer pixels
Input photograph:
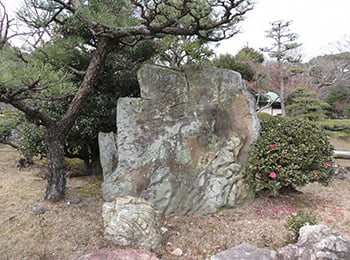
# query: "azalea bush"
{"type": "Point", "coordinates": [290, 152]}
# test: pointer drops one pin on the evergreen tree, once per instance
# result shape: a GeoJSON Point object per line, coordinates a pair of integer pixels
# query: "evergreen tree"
{"type": "Point", "coordinates": [306, 104]}
{"type": "Point", "coordinates": [228, 61]}
{"type": "Point", "coordinates": [284, 42]}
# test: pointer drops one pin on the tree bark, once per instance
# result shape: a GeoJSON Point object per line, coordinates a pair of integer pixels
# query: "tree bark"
{"type": "Point", "coordinates": [55, 133]}
{"type": "Point", "coordinates": [281, 79]}
{"type": "Point", "coordinates": [96, 63]}
{"type": "Point", "coordinates": [282, 94]}
{"type": "Point", "coordinates": [57, 168]}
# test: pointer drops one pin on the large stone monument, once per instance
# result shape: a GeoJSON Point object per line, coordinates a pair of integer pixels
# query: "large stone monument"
{"type": "Point", "coordinates": [184, 144]}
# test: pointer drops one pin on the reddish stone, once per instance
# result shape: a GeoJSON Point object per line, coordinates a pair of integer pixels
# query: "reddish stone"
{"type": "Point", "coordinates": [127, 254]}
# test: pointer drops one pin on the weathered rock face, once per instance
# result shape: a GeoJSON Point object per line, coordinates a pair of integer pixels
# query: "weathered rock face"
{"type": "Point", "coordinates": [317, 242]}
{"type": "Point", "coordinates": [184, 144]}
{"type": "Point", "coordinates": [131, 221]}
{"type": "Point", "coordinates": [109, 161]}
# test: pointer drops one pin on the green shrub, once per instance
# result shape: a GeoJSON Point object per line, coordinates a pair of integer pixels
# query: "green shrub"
{"type": "Point", "coordinates": [31, 140]}
{"type": "Point", "coordinates": [290, 153]}
{"type": "Point", "coordinates": [336, 128]}
{"type": "Point", "coordinates": [264, 115]}
{"type": "Point", "coordinates": [17, 131]}
{"type": "Point", "coordinates": [299, 219]}
{"type": "Point", "coordinates": [8, 122]}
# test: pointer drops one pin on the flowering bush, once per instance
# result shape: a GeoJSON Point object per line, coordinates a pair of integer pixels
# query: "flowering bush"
{"type": "Point", "coordinates": [290, 153]}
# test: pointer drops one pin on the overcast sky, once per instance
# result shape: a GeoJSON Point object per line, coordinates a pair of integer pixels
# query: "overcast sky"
{"type": "Point", "coordinates": [319, 23]}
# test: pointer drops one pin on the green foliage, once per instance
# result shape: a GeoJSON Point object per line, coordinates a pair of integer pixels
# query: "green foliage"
{"type": "Point", "coordinates": [264, 116]}
{"type": "Point", "coordinates": [31, 139]}
{"type": "Point", "coordinates": [335, 124]}
{"type": "Point", "coordinates": [306, 104]}
{"type": "Point", "coordinates": [339, 100]}
{"type": "Point", "coordinates": [336, 128]}
{"type": "Point", "coordinates": [248, 54]}
{"type": "Point", "coordinates": [23, 76]}
{"type": "Point", "coordinates": [227, 61]}
{"type": "Point", "coordinates": [25, 136]}
{"type": "Point", "coordinates": [178, 51]}
{"type": "Point", "coordinates": [283, 42]}
{"type": "Point", "coordinates": [299, 219]}
{"type": "Point", "coordinates": [104, 12]}
{"type": "Point", "coordinates": [8, 121]}
{"type": "Point", "coordinates": [290, 153]}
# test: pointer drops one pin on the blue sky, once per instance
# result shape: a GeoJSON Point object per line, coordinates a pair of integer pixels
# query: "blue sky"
{"type": "Point", "coordinates": [319, 24]}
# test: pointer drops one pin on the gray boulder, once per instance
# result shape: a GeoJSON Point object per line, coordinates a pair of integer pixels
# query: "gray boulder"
{"type": "Point", "coordinates": [317, 242]}
{"type": "Point", "coordinates": [109, 161]}
{"type": "Point", "coordinates": [342, 173]}
{"type": "Point", "coordinates": [184, 144]}
{"type": "Point", "coordinates": [245, 252]}
{"type": "Point", "coordinates": [131, 221]}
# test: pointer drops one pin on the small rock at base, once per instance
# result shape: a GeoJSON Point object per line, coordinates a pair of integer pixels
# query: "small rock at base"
{"type": "Point", "coordinates": [38, 210]}
{"type": "Point", "coordinates": [177, 252]}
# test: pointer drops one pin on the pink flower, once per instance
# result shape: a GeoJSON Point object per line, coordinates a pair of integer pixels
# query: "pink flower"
{"type": "Point", "coordinates": [328, 164]}
{"type": "Point", "coordinates": [273, 175]}
{"type": "Point", "coordinates": [273, 146]}
{"type": "Point", "coordinates": [337, 212]}
{"type": "Point", "coordinates": [317, 175]}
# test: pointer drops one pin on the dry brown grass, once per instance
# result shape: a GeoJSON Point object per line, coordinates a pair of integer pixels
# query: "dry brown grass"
{"type": "Point", "coordinates": [67, 231]}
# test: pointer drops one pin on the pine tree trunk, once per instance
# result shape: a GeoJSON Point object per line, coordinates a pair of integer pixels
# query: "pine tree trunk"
{"type": "Point", "coordinates": [57, 168]}
{"type": "Point", "coordinates": [54, 138]}
{"type": "Point", "coordinates": [55, 132]}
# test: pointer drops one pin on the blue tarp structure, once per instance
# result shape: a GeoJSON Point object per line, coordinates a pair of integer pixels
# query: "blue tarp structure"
{"type": "Point", "coordinates": [271, 97]}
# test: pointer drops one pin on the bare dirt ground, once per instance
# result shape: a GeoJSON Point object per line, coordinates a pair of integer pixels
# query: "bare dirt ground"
{"type": "Point", "coordinates": [72, 228]}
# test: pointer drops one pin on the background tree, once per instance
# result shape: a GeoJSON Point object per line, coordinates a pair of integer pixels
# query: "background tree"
{"type": "Point", "coordinates": [283, 45]}
{"type": "Point", "coordinates": [306, 104]}
{"type": "Point", "coordinates": [228, 61]}
{"type": "Point", "coordinates": [4, 25]}
{"type": "Point", "coordinates": [182, 50]}
{"type": "Point", "coordinates": [339, 100]}
{"type": "Point", "coordinates": [331, 78]}
{"type": "Point", "coordinates": [250, 56]}
{"type": "Point", "coordinates": [32, 85]}
{"type": "Point", "coordinates": [254, 60]}
{"type": "Point", "coordinates": [329, 71]}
